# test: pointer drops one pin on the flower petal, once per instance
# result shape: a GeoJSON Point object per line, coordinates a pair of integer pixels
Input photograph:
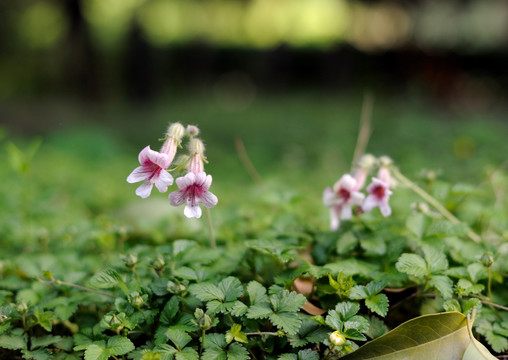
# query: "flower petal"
{"type": "Point", "coordinates": [356, 198]}
{"type": "Point", "coordinates": [186, 180]}
{"type": "Point", "coordinates": [143, 155]}
{"type": "Point", "coordinates": [386, 210]}
{"type": "Point", "coordinates": [334, 219]}
{"type": "Point", "coordinates": [138, 174]}
{"type": "Point", "coordinates": [144, 190]}
{"type": "Point", "coordinates": [346, 182]}
{"type": "Point", "coordinates": [208, 199]}
{"type": "Point", "coordinates": [370, 203]}
{"type": "Point", "coordinates": [177, 198]}
{"type": "Point", "coordinates": [192, 211]}
{"type": "Point", "coordinates": [330, 198]}
{"type": "Point", "coordinates": [163, 181]}
{"type": "Point", "coordinates": [200, 178]}
{"type": "Point", "coordinates": [158, 159]}
{"type": "Point", "coordinates": [346, 212]}
{"type": "Point", "coordinates": [207, 182]}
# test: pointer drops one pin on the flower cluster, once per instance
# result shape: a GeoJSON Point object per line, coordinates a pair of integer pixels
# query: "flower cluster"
{"type": "Point", "coordinates": [193, 186]}
{"type": "Point", "coordinates": [346, 192]}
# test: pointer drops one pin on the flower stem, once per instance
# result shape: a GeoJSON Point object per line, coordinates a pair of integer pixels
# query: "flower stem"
{"type": "Point", "coordinates": [59, 282]}
{"type": "Point", "coordinates": [432, 201]}
{"type": "Point", "coordinates": [210, 228]}
{"type": "Point", "coordinates": [364, 127]}
{"type": "Point", "coordinates": [247, 163]}
{"type": "Point", "coordinates": [489, 284]}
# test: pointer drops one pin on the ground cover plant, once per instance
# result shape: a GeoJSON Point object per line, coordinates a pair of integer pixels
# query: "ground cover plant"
{"type": "Point", "coordinates": [265, 276]}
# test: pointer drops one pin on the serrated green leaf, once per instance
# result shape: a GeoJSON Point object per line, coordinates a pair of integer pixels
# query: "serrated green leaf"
{"type": "Point", "coordinates": [237, 352]}
{"type": "Point", "coordinates": [358, 292]}
{"type": "Point", "coordinates": [376, 328]}
{"type": "Point", "coordinates": [239, 309]}
{"type": "Point", "coordinates": [354, 334]}
{"type": "Point", "coordinates": [187, 354]}
{"type": "Point", "coordinates": [236, 334]}
{"type": "Point", "coordinates": [231, 287]}
{"type": "Point", "coordinates": [477, 272]}
{"type": "Point", "coordinates": [44, 319]}
{"type": "Point", "coordinates": [373, 245]}
{"type": "Point", "coordinates": [96, 352]}
{"type": "Point", "coordinates": [215, 341]}
{"type": "Point", "coordinates": [452, 305]}
{"type": "Point", "coordinates": [288, 357]}
{"type": "Point", "coordinates": [434, 336]}
{"type": "Point", "coordinates": [107, 279]}
{"type": "Point", "coordinates": [347, 309]}
{"type": "Point", "coordinates": [39, 354]}
{"type": "Point", "coordinates": [257, 293]}
{"type": "Point", "coordinates": [436, 260]}
{"type": "Point", "coordinates": [443, 284]}
{"type": "Point", "coordinates": [185, 273]}
{"type": "Point", "coordinates": [259, 311]}
{"type": "Point", "coordinates": [357, 322]}
{"type": "Point", "coordinates": [43, 341]}
{"type": "Point", "coordinates": [374, 287]}
{"type": "Point", "coordinates": [214, 354]}
{"type": "Point", "coordinates": [12, 342]}
{"type": "Point", "coordinates": [169, 311]}
{"type": "Point", "coordinates": [377, 304]}
{"type": "Point", "coordinates": [308, 354]}
{"type": "Point", "coordinates": [119, 345]}
{"type": "Point", "coordinates": [207, 292]}
{"type": "Point", "coordinates": [287, 301]}
{"type": "Point", "coordinates": [286, 321]}
{"type": "Point", "coordinates": [179, 337]}
{"type": "Point", "coordinates": [412, 264]}
{"type": "Point", "coordinates": [468, 305]}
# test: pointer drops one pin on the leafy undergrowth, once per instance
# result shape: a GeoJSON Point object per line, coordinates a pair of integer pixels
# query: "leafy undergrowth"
{"type": "Point", "coordinates": [87, 281]}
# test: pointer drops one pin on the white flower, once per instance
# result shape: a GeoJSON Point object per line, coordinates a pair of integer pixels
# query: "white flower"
{"type": "Point", "coordinates": [379, 193]}
{"type": "Point", "coordinates": [193, 190]}
{"type": "Point", "coordinates": [341, 199]}
{"type": "Point", "coordinates": [152, 172]}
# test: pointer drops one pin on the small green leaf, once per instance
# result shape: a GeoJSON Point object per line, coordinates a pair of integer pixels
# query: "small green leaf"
{"type": "Point", "coordinates": [376, 328]}
{"type": "Point", "coordinates": [119, 345]}
{"type": "Point", "coordinates": [354, 334]}
{"type": "Point", "coordinates": [236, 334]}
{"type": "Point", "coordinates": [170, 310]}
{"type": "Point", "coordinates": [286, 321]}
{"type": "Point", "coordinates": [179, 337]}
{"type": "Point", "coordinates": [39, 354]}
{"type": "Point", "coordinates": [12, 342]}
{"type": "Point", "coordinates": [237, 352]}
{"type": "Point", "coordinates": [239, 309]}
{"type": "Point", "coordinates": [377, 304]}
{"type": "Point", "coordinates": [443, 284]}
{"type": "Point", "coordinates": [96, 352]}
{"type": "Point", "coordinates": [257, 293]}
{"type": "Point", "coordinates": [231, 287]}
{"type": "Point", "coordinates": [308, 354]}
{"type": "Point", "coordinates": [412, 264]}
{"type": "Point", "coordinates": [436, 260]}
{"type": "Point", "coordinates": [347, 309]}
{"type": "Point", "coordinates": [44, 341]}
{"type": "Point", "coordinates": [207, 292]}
{"type": "Point", "coordinates": [346, 243]}
{"type": "Point", "coordinates": [445, 228]}
{"type": "Point", "coordinates": [287, 301]}
{"type": "Point", "coordinates": [416, 223]}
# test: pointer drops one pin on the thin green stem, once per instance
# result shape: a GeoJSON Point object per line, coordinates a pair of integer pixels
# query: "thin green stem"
{"type": "Point", "coordinates": [505, 308]}
{"type": "Point", "coordinates": [489, 284]}
{"type": "Point", "coordinates": [432, 201]}
{"type": "Point", "coordinates": [210, 228]}
{"type": "Point", "coordinates": [259, 333]}
{"type": "Point", "coordinates": [202, 342]}
{"type": "Point", "coordinates": [247, 163]}
{"type": "Point", "coordinates": [365, 127]}
{"type": "Point", "coordinates": [133, 269]}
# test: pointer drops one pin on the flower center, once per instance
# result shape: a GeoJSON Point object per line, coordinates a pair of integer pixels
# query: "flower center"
{"type": "Point", "coordinates": [344, 194]}
{"type": "Point", "coordinates": [379, 192]}
{"type": "Point", "coordinates": [193, 192]}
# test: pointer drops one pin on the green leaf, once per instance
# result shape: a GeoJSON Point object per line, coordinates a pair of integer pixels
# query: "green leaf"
{"type": "Point", "coordinates": [378, 304]}
{"type": "Point", "coordinates": [374, 245]}
{"type": "Point", "coordinates": [287, 301]}
{"type": "Point", "coordinates": [358, 292]}
{"type": "Point", "coordinates": [169, 311]}
{"type": "Point", "coordinates": [44, 319]}
{"type": "Point", "coordinates": [215, 341]}
{"type": "Point", "coordinates": [436, 260]}
{"type": "Point", "coordinates": [239, 309]}
{"type": "Point", "coordinates": [179, 337]}
{"type": "Point", "coordinates": [308, 354]}
{"type": "Point", "coordinates": [452, 305]}
{"type": "Point", "coordinates": [96, 352]}
{"type": "Point", "coordinates": [107, 279]}
{"type": "Point", "coordinates": [376, 328]}
{"type": "Point", "coordinates": [445, 228]}
{"type": "Point", "coordinates": [119, 345]}
{"type": "Point", "coordinates": [44, 341]}
{"type": "Point", "coordinates": [435, 336]}
{"type": "Point", "coordinates": [347, 309]}
{"type": "Point", "coordinates": [39, 354]}
{"type": "Point", "coordinates": [416, 223]}
{"type": "Point", "coordinates": [237, 352]}
{"type": "Point", "coordinates": [257, 293]}
{"type": "Point", "coordinates": [288, 357]}
{"type": "Point", "coordinates": [236, 334]}
{"type": "Point", "coordinates": [412, 264]}
{"type": "Point", "coordinates": [357, 322]}
{"type": "Point", "coordinates": [374, 287]}
{"type": "Point", "coordinates": [12, 342]}
{"type": "Point", "coordinates": [346, 243]}
{"type": "Point", "coordinates": [286, 321]}
{"type": "Point", "coordinates": [476, 351]}
{"type": "Point", "coordinates": [354, 334]}
{"type": "Point", "coordinates": [206, 292]}
{"type": "Point", "coordinates": [260, 311]}
{"type": "Point", "coordinates": [232, 288]}
{"type": "Point", "coordinates": [187, 354]}
{"type": "Point", "coordinates": [443, 284]}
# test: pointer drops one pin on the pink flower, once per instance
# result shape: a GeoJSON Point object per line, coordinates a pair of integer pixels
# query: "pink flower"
{"type": "Point", "coordinates": [379, 193]}
{"type": "Point", "coordinates": [193, 190]}
{"type": "Point", "coordinates": [152, 172]}
{"type": "Point", "coordinates": [341, 199]}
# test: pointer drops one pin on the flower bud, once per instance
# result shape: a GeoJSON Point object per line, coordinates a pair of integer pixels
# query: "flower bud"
{"type": "Point", "coordinates": [337, 339]}
{"type": "Point", "coordinates": [196, 146]}
{"type": "Point", "coordinates": [115, 322]}
{"type": "Point", "coordinates": [22, 308]}
{"type": "Point", "coordinates": [203, 320]}
{"type": "Point", "coordinates": [176, 131]}
{"type": "Point", "coordinates": [385, 161]}
{"type": "Point", "coordinates": [136, 300]}
{"type": "Point", "coordinates": [192, 130]}
{"type": "Point", "coordinates": [367, 161]}
{"type": "Point", "coordinates": [130, 260]}
{"type": "Point", "coordinates": [487, 259]}
{"type": "Point", "coordinates": [158, 263]}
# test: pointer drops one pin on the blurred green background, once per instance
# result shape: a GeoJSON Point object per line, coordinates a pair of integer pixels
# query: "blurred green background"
{"type": "Point", "coordinates": [97, 80]}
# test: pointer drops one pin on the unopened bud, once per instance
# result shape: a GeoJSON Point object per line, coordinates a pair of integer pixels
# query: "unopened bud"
{"type": "Point", "coordinates": [115, 322]}
{"type": "Point", "coordinates": [136, 300]}
{"type": "Point", "coordinates": [130, 260]}
{"type": "Point", "coordinates": [337, 339]}
{"type": "Point", "coordinates": [385, 161]}
{"type": "Point", "coordinates": [176, 131]}
{"type": "Point", "coordinates": [203, 320]}
{"type": "Point", "coordinates": [158, 263]}
{"type": "Point", "coordinates": [196, 146]}
{"type": "Point", "coordinates": [192, 130]}
{"type": "Point", "coordinates": [487, 259]}
{"type": "Point", "coordinates": [22, 308]}
{"type": "Point", "coordinates": [367, 161]}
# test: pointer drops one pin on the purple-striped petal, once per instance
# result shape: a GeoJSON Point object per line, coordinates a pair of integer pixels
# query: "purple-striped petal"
{"type": "Point", "coordinates": [177, 198]}
{"type": "Point", "coordinates": [208, 199]}
{"type": "Point", "coordinates": [138, 174]}
{"type": "Point", "coordinates": [144, 190]}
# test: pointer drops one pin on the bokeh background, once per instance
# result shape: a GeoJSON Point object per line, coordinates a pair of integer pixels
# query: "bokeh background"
{"type": "Point", "coordinates": [86, 84]}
